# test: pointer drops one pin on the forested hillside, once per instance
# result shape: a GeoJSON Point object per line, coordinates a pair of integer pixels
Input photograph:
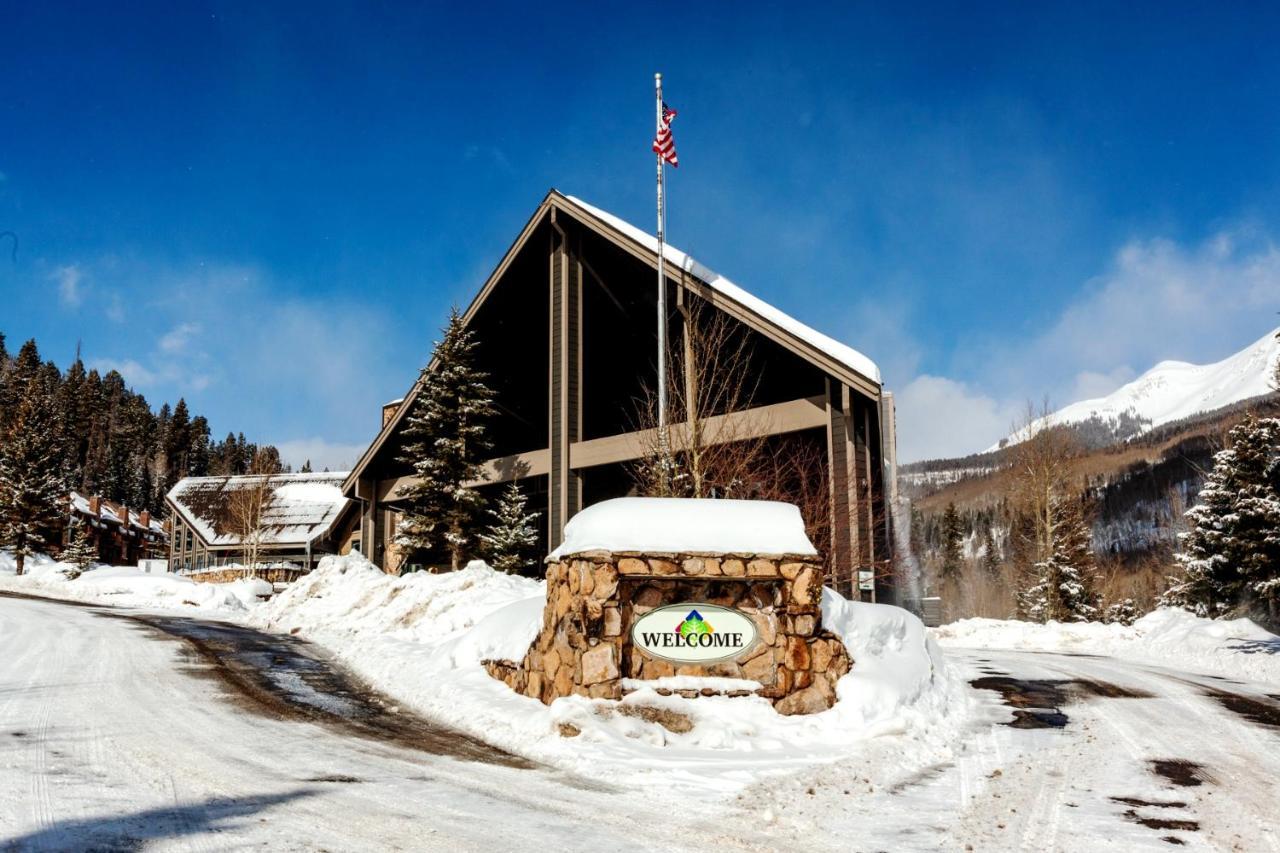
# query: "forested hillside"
{"type": "Point", "coordinates": [107, 438]}
{"type": "Point", "coordinates": [967, 513]}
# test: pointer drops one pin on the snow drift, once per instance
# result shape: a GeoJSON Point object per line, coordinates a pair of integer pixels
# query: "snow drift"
{"type": "Point", "coordinates": [421, 639]}
{"type": "Point", "coordinates": [130, 587]}
{"type": "Point", "coordinates": [1236, 647]}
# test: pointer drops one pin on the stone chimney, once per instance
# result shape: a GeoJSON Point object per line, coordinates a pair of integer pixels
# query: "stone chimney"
{"type": "Point", "coordinates": [95, 506]}
{"type": "Point", "coordinates": [124, 516]}
{"type": "Point", "coordinates": [389, 410]}
{"type": "Point", "coordinates": [144, 519]}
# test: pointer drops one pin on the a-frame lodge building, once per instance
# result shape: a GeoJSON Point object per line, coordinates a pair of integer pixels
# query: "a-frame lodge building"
{"type": "Point", "coordinates": [565, 327]}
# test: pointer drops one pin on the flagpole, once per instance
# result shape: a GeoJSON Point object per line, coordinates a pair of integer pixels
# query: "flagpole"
{"type": "Point", "coordinates": [662, 284]}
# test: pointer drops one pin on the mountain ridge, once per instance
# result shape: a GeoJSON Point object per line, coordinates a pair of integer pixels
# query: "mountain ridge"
{"type": "Point", "coordinates": [1171, 390]}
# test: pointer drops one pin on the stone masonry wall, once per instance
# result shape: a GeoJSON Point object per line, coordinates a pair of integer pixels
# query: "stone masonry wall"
{"type": "Point", "coordinates": [593, 599]}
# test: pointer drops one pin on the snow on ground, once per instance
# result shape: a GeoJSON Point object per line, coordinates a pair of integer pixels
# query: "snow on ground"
{"type": "Point", "coordinates": [130, 587]}
{"type": "Point", "coordinates": [1168, 636]}
{"type": "Point", "coordinates": [421, 639]}
{"type": "Point", "coordinates": [686, 525]}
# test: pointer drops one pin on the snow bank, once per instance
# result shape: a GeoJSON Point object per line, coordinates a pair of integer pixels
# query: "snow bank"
{"type": "Point", "coordinates": [687, 525]}
{"type": "Point", "coordinates": [1236, 647]}
{"type": "Point", "coordinates": [421, 639]}
{"type": "Point", "coordinates": [130, 587]}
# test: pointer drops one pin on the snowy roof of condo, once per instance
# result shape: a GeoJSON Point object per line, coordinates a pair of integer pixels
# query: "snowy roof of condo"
{"type": "Point", "coordinates": [686, 526]}
{"type": "Point", "coordinates": [112, 513]}
{"type": "Point", "coordinates": [842, 353]}
{"type": "Point", "coordinates": [302, 507]}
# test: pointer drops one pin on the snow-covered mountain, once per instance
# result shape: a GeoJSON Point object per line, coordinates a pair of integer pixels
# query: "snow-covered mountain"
{"type": "Point", "coordinates": [1173, 390]}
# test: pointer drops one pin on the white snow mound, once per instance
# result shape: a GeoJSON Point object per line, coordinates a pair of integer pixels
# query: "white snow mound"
{"type": "Point", "coordinates": [1169, 636]}
{"type": "Point", "coordinates": [684, 525]}
{"type": "Point", "coordinates": [422, 638]}
{"type": "Point", "coordinates": [130, 587]}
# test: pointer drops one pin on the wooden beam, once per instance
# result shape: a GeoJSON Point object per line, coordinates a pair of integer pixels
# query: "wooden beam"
{"type": "Point", "coordinates": [504, 469]}
{"type": "Point", "coordinates": [777, 419]}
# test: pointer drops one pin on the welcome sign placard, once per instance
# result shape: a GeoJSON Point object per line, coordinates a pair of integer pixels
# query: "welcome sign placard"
{"type": "Point", "coordinates": [694, 633]}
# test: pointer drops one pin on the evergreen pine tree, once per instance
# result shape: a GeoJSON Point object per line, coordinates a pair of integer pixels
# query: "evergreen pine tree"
{"type": "Point", "coordinates": [990, 553]}
{"type": "Point", "coordinates": [306, 467]}
{"type": "Point", "coordinates": [32, 491]}
{"type": "Point", "coordinates": [510, 543]}
{"type": "Point", "coordinates": [446, 441]}
{"type": "Point", "coordinates": [1231, 553]}
{"type": "Point", "coordinates": [80, 551]}
{"type": "Point", "coordinates": [1064, 584]}
{"type": "Point", "coordinates": [952, 544]}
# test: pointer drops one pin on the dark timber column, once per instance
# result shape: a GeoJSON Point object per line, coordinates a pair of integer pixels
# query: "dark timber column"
{"type": "Point", "coordinates": [862, 504]}
{"type": "Point", "coordinates": [368, 489]}
{"type": "Point", "coordinates": [564, 495]}
{"type": "Point", "coordinates": [843, 523]}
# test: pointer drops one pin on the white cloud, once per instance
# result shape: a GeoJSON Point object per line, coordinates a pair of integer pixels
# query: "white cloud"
{"type": "Point", "coordinates": [68, 279]}
{"type": "Point", "coordinates": [321, 453]}
{"type": "Point", "coordinates": [177, 338]}
{"type": "Point", "coordinates": [1156, 300]}
{"type": "Point", "coordinates": [135, 375]}
{"type": "Point", "coordinates": [939, 417]}
{"type": "Point", "coordinates": [1160, 300]}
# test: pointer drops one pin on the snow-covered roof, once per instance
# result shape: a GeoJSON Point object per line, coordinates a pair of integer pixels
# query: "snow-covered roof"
{"type": "Point", "coordinates": [113, 513]}
{"type": "Point", "coordinates": [842, 353]}
{"type": "Point", "coordinates": [686, 526]}
{"type": "Point", "coordinates": [301, 508]}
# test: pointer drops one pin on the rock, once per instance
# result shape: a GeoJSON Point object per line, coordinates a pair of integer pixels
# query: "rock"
{"type": "Point", "coordinates": [663, 567]}
{"type": "Point", "coordinates": [585, 581]}
{"type": "Point", "coordinates": [550, 662]}
{"type": "Point", "coordinates": [568, 730]}
{"type": "Point", "coordinates": [824, 682]}
{"type": "Point", "coordinates": [534, 687]}
{"type": "Point", "coordinates": [672, 721]}
{"type": "Point", "coordinates": [822, 653]}
{"type": "Point", "coordinates": [759, 668]}
{"type": "Point", "coordinates": [797, 654]}
{"type": "Point", "coordinates": [657, 669]}
{"type": "Point", "coordinates": [693, 566]}
{"type": "Point", "coordinates": [807, 701]}
{"type": "Point", "coordinates": [564, 679]}
{"type": "Point", "coordinates": [612, 621]}
{"type": "Point", "coordinates": [711, 565]}
{"type": "Point", "coordinates": [790, 570]}
{"type": "Point", "coordinates": [802, 680]}
{"type": "Point", "coordinates": [598, 665]}
{"type": "Point", "coordinates": [760, 568]}
{"type": "Point", "coordinates": [802, 590]}
{"type": "Point", "coordinates": [767, 624]}
{"type": "Point", "coordinates": [563, 599]}
{"type": "Point", "coordinates": [733, 568]}
{"type": "Point", "coordinates": [605, 581]}
{"type": "Point", "coordinates": [633, 566]}
{"type": "Point", "coordinates": [804, 625]}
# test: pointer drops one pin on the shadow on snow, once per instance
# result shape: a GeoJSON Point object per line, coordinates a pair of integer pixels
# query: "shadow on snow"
{"type": "Point", "coordinates": [129, 832]}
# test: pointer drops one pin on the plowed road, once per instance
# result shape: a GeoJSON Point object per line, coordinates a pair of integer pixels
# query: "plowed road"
{"type": "Point", "coordinates": [129, 731]}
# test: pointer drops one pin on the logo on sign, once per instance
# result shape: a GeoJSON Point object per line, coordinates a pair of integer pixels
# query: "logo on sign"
{"type": "Point", "coordinates": [694, 633]}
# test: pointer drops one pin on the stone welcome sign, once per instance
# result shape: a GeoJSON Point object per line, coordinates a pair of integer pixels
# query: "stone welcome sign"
{"type": "Point", "coordinates": [607, 610]}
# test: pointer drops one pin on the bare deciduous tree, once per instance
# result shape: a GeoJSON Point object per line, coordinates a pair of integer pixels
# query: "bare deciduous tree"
{"type": "Point", "coordinates": [246, 506]}
{"type": "Point", "coordinates": [702, 452]}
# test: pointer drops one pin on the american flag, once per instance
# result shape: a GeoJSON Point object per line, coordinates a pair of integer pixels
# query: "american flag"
{"type": "Point", "coordinates": [663, 145]}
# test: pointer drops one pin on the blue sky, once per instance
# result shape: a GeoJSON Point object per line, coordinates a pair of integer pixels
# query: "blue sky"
{"type": "Point", "coordinates": [269, 210]}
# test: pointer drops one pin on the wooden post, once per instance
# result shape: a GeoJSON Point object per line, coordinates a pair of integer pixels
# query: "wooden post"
{"type": "Point", "coordinates": [842, 524]}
